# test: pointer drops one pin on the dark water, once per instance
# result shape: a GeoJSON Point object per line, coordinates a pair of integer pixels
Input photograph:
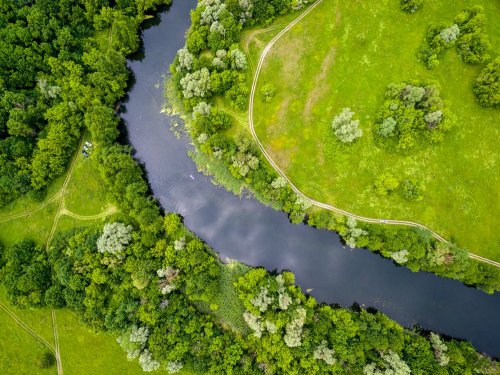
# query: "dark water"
{"type": "Point", "coordinates": [245, 230]}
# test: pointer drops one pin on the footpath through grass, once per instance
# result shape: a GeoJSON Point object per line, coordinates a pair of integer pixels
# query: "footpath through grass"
{"type": "Point", "coordinates": [344, 54]}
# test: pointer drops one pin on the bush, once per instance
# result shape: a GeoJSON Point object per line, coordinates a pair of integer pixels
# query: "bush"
{"type": "Point", "coordinates": [47, 360]}
{"type": "Point", "coordinates": [471, 41]}
{"type": "Point", "coordinates": [385, 183]}
{"type": "Point", "coordinates": [487, 85]}
{"type": "Point", "coordinates": [412, 190]}
{"type": "Point", "coordinates": [410, 6]}
{"type": "Point", "coordinates": [267, 92]}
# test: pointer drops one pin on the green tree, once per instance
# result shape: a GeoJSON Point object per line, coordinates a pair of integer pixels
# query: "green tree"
{"type": "Point", "coordinates": [487, 84]}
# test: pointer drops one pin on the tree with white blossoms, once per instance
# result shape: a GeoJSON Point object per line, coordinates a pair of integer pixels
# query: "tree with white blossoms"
{"type": "Point", "coordinates": [180, 243]}
{"type": "Point", "coordinates": [387, 127]}
{"type": "Point", "coordinates": [345, 128]}
{"type": "Point", "coordinates": [134, 340]}
{"type": "Point", "coordinates": [284, 300]}
{"type": "Point", "coordinates": [393, 365]}
{"type": "Point", "coordinates": [47, 90]}
{"type": "Point", "coordinates": [202, 138]}
{"type": "Point", "coordinates": [238, 59]}
{"type": "Point", "coordinates": [433, 118]}
{"type": "Point", "coordinates": [323, 353]}
{"type": "Point", "coordinates": [412, 95]}
{"type": "Point", "coordinates": [303, 202]}
{"type": "Point", "coordinates": [219, 59]}
{"type": "Point", "coordinates": [166, 280]}
{"type": "Point", "coordinates": [115, 237]}
{"type": "Point", "coordinates": [353, 232]}
{"type": "Point", "coordinates": [450, 34]}
{"type": "Point", "coordinates": [271, 327]}
{"type": "Point", "coordinates": [440, 349]}
{"type": "Point", "coordinates": [299, 4]}
{"type": "Point", "coordinates": [147, 362]}
{"type": "Point", "coordinates": [262, 300]}
{"type": "Point", "coordinates": [186, 58]}
{"type": "Point", "coordinates": [196, 84]}
{"type": "Point", "coordinates": [278, 183]}
{"type": "Point", "coordinates": [173, 367]}
{"type": "Point", "coordinates": [202, 109]}
{"type": "Point", "coordinates": [217, 27]}
{"type": "Point", "coordinates": [246, 7]}
{"type": "Point", "coordinates": [293, 335]}
{"type": "Point", "coordinates": [400, 257]}
{"type": "Point", "coordinates": [211, 12]}
{"type": "Point", "coordinates": [254, 323]}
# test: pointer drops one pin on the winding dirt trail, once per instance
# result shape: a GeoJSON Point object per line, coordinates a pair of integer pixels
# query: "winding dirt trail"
{"type": "Point", "coordinates": [295, 189]}
{"type": "Point", "coordinates": [27, 328]}
{"type": "Point", "coordinates": [56, 344]}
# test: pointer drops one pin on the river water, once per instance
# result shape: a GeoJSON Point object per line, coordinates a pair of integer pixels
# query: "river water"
{"type": "Point", "coordinates": [244, 229]}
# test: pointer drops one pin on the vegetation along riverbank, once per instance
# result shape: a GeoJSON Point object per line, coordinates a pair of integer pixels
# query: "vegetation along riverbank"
{"type": "Point", "coordinates": [317, 151]}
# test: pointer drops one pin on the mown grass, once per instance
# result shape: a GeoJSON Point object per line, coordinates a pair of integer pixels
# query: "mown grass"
{"type": "Point", "coordinates": [35, 226]}
{"type": "Point", "coordinates": [85, 193]}
{"type": "Point", "coordinates": [20, 352]}
{"type": "Point", "coordinates": [344, 54]}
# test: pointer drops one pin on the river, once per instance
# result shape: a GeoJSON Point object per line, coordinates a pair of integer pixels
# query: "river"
{"type": "Point", "coordinates": [246, 230]}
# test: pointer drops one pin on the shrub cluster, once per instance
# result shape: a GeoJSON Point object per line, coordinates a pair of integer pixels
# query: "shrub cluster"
{"type": "Point", "coordinates": [410, 6]}
{"type": "Point", "coordinates": [466, 33]}
{"type": "Point", "coordinates": [487, 85]}
{"type": "Point", "coordinates": [413, 115]}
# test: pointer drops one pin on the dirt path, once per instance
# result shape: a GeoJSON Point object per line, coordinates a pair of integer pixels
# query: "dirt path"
{"type": "Point", "coordinates": [109, 211]}
{"type": "Point", "coordinates": [27, 328]}
{"type": "Point", "coordinates": [32, 211]}
{"type": "Point", "coordinates": [56, 344]}
{"type": "Point", "coordinates": [282, 174]}
{"type": "Point", "coordinates": [62, 191]}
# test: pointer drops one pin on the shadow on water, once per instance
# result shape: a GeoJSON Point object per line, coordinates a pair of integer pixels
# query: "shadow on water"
{"type": "Point", "coordinates": [244, 229]}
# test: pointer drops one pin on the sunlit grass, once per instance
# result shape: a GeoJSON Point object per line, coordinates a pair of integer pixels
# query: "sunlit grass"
{"type": "Point", "coordinates": [344, 54]}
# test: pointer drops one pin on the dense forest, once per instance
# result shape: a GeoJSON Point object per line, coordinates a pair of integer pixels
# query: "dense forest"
{"type": "Point", "coordinates": [211, 66]}
{"type": "Point", "coordinates": [144, 276]}
{"type": "Point", "coordinates": [62, 67]}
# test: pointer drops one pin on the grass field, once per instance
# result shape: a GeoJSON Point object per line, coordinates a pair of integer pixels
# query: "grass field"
{"type": "Point", "coordinates": [344, 54]}
{"type": "Point", "coordinates": [82, 352]}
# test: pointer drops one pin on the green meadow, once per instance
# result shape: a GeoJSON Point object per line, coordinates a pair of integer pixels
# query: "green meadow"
{"type": "Point", "coordinates": [344, 54]}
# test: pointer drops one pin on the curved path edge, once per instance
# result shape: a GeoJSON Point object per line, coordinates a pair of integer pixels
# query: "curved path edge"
{"type": "Point", "coordinates": [294, 188]}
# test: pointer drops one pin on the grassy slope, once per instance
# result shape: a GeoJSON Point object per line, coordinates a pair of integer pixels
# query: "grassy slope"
{"type": "Point", "coordinates": [322, 66]}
